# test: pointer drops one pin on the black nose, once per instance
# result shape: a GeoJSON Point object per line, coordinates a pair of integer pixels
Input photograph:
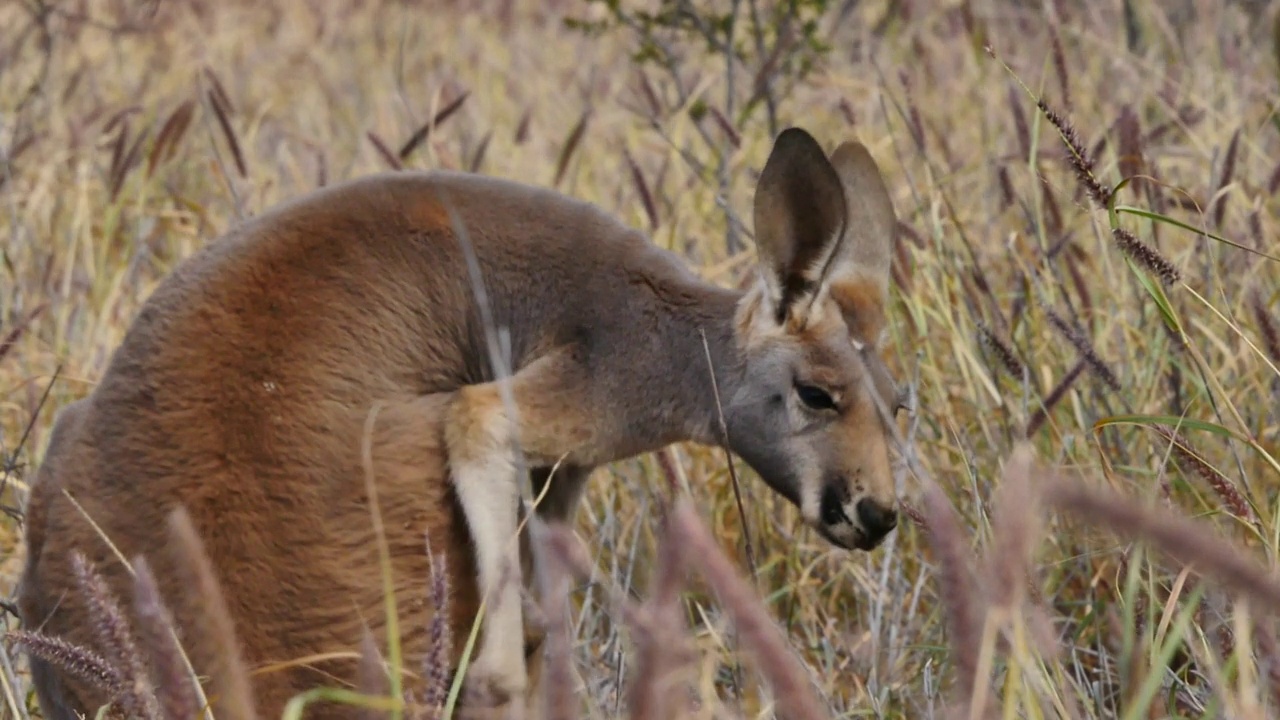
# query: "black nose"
{"type": "Point", "coordinates": [877, 520]}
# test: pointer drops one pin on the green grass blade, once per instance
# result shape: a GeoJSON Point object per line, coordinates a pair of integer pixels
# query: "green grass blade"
{"type": "Point", "coordinates": [298, 703]}
{"type": "Point", "coordinates": [1170, 420]}
{"type": "Point", "coordinates": [1158, 217]}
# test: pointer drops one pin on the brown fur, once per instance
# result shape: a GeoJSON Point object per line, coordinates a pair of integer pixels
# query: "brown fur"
{"type": "Point", "coordinates": [862, 308]}
{"type": "Point", "coordinates": [315, 585]}
{"type": "Point", "coordinates": [241, 390]}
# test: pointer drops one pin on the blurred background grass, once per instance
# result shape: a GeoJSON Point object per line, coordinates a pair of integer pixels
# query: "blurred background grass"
{"type": "Point", "coordinates": [133, 132]}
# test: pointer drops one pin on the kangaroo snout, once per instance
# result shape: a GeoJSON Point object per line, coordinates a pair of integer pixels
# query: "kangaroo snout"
{"type": "Point", "coordinates": [860, 524]}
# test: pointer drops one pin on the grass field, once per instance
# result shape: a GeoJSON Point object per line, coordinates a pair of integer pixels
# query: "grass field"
{"type": "Point", "coordinates": [1053, 345]}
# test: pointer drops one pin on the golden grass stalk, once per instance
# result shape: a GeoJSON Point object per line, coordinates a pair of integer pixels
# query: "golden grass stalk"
{"type": "Point", "coordinates": [964, 606]}
{"type": "Point", "coordinates": [663, 650]}
{"type": "Point", "coordinates": [371, 675]}
{"type": "Point", "coordinates": [1187, 542]}
{"type": "Point", "coordinates": [760, 634]}
{"type": "Point", "coordinates": [173, 684]}
{"type": "Point", "coordinates": [560, 698]}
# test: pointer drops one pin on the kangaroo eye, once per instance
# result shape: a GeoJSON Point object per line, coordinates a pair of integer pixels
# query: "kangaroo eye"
{"type": "Point", "coordinates": [815, 397]}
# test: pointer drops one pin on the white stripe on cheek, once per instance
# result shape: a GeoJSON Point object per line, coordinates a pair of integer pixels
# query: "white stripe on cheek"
{"type": "Point", "coordinates": [810, 500]}
{"type": "Point", "coordinates": [810, 474]}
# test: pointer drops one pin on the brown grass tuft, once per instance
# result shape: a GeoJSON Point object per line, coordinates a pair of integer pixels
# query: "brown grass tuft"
{"type": "Point", "coordinates": [570, 145]}
{"type": "Point", "coordinates": [1193, 463]}
{"type": "Point", "coordinates": [421, 134]}
{"type": "Point", "coordinates": [171, 132]}
{"type": "Point", "coordinates": [1015, 532]}
{"type": "Point", "coordinates": [477, 159]}
{"type": "Point", "coordinates": [642, 187]}
{"type": "Point", "coordinates": [1079, 158]}
{"type": "Point", "coordinates": [384, 152]}
{"type": "Point", "coordinates": [1002, 350]}
{"type": "Point", "coordinates": [1084, 347]}
{"type": "Point", "coordinates": [1266, 328]}
{"type": "Point", "coordinates": [1055, 396]}
{"type": "Point", "coordinates": [914, 124]}
{"type": "Point", "coordinates": [1270, 652]}
{"type": "Point", "coordinates": [220, 112]}
{"type": "Point", "coordinates": [122, 161]}
{"type": "Point", "coordinates": [1146, 256]}
{"type": "Point", "coordinates": [1060, 62]}
{"type": "Point", "coordinates": [11, 338]}
{"type": "Point", "coordinates": [726, 127]}
{"type": "Point", "coordinates": [1129, 146]}
{"type": "Point", "coordinates": [1273, 181]}
{"type": "Point", "coordinates": [521, 135]}
{"type": "Point", "coordinates": [217, 92]}
{"type": "Point", "coordinates": [1021, 129]}
{"type": "Point", "coordinates": [436, 664]}
{"type": "Point", "coordinates": [80, 662]}
{"type": "Point", "coordinates": [1224, 179]}
{"type": "Point", "coordinates": [1081, 285]}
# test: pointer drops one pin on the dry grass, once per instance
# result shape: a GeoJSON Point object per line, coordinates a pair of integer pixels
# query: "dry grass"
{"type": "Point", "coordinates": [1048, 322]}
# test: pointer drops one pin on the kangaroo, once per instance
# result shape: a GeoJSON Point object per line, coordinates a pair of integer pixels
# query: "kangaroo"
{"type": "Point", "coordinates": [243, 385]}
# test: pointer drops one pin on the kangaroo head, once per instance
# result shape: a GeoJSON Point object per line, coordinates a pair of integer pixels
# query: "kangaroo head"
{"type": "Point", "coordinates": [805, 414]}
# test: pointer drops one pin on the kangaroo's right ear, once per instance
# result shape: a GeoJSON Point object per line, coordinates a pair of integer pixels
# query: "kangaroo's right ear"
{"type": "Point", "coordinates": [799, 220]}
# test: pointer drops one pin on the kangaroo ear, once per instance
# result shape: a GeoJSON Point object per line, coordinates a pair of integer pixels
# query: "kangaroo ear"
{"type": "Point", "coordinates": [857, 275]}
{"type": "Point", "coordinates": [866, 248]}
{"type": "Point", "coordinates": [799, 219]}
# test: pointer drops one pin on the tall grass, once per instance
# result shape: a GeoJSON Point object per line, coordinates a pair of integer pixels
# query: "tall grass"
{"type": "Point", "coordinates": [1086, 293]}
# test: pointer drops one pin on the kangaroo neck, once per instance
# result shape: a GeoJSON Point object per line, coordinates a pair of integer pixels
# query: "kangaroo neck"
{"type": "Point", "coordinates": [702, 349]}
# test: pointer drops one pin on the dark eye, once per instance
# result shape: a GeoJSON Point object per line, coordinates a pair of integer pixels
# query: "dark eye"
{"type": "Point", "coordinates": [816, 398]}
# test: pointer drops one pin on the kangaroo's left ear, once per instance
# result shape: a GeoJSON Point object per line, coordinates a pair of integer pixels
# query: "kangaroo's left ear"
{"type": "Point", "coordinates": [857, 274]}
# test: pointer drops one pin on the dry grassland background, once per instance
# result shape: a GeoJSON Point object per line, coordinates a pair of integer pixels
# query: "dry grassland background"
{"type": "Point", "coordinates": [1140, 361]}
